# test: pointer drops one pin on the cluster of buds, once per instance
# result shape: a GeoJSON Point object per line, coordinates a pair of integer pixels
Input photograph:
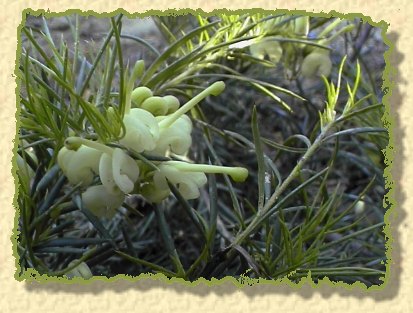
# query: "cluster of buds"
{"type": "Point", "coordinates": [157, 126]}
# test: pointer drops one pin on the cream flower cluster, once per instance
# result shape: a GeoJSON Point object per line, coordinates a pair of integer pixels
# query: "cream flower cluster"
{"type": "Point", "coordinates": [155, 125]}
{"type": "Point", "coordinates": [274, 46]}
{"type": "Point", "coordinates": [316, 61]}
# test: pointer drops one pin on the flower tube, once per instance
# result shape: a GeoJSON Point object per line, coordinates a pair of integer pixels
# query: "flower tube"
{"type": "Point", "coordinates": [117, 170]}
{"type": "Point", "coordinates": [172, 103]}
{"type": "Point", "coordinates": [188, 184]}
{"type": "Point", "coordinates": [317, 63]}
{"type": "Point", "coordinates": [142, 130]}
{"type": "Point", "coordinates": [100, 202]}
{"type": "Point", "coordinates": [267, 46]}
{"type": "Point", "coordinates": [176, 138]}
{"type": "Point", "coordinates": [79, 166]}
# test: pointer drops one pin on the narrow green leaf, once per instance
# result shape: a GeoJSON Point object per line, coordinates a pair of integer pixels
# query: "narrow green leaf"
{"type": "Point", "coordinates": [260, 158]}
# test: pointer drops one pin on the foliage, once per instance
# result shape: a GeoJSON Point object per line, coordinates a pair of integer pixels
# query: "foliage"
{"type": "Point", "coordinates": [313, 198]}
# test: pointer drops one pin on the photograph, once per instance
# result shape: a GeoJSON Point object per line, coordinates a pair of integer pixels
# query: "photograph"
{"type": "Point", "coordinates": [252, 145]}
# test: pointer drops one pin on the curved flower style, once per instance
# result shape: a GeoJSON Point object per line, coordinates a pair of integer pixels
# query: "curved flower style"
{"type": "Point", "coordinates": [175, 128]}
{"type": "Point", "coordinates": [142, 130]}
{"type": "Point", "coordinates": [79, 166]}
{"type": "Point", "coordinates": [187, 178]}
{"type": "Point", "coordinates": [268, 47]}
{"type": "Point", "coordinates": [238, 174]}
{"type": "Point", "coordinates": [100, 202]}
{"type": "Point", "coordinates": [317, 63]}
{"type": "Point", "coordinates": [215, 89]}
{"type": "Point", "coordinates": [176, 138]}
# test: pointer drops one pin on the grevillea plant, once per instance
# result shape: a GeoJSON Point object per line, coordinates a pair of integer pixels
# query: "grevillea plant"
{"type": "Point", "coordinates": [158, 125]}
{"type": "Point", "coordinates": [207, 157]}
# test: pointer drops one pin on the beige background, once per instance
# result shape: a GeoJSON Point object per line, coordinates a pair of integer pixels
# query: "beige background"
{"type": "Point", "coordinates": [157, 296]}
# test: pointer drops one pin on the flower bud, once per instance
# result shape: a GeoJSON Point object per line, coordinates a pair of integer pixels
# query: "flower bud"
{"type": "Point", "coordinates": [359, 208]}
{"type": "Point", "coordinates": [268, 47]}
{"type": "Point", "coordinates": [156, 105]}
{"type": "Point", "coordinates": [140, 94]}
{"type": "Point", "coordinates": [82, 270]}
{"type": "Point", "coordinates": [172, 102]}
{"type": "Point", "coordinates": [317, 63]}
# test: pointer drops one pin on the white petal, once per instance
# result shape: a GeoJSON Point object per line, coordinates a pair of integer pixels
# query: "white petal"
{"type": "Point", "coordinates": [106, 174]}
{"type": "Point", "coordinates": [125, 170]}
{"type": "Point", "coordinates": [198, 178]}
{"type": "Point", "coordinates": [188, 190]}
{"type": "Point", "coordinates": [176, 137]}
{"type": "Point", "coordinates": [63, 158]}
{"type": "Point", "coordinates": [153, 194]}
{"type": "Point", "coordinates": [142, 130]}
{"type": "Point", "coordinates": [100, 202]}
{"type": "Point", "coordinates": [187, 183]}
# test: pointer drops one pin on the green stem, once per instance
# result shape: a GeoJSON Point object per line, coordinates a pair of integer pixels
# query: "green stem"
{"type": "Point", "coordinates": [338, 33]}
{"type": "Point", "coordinates": [329, 28]}
{"type": "Point", "coordinates": [136, 72]}
{"type": "Point", "coordinates": [261, 215]}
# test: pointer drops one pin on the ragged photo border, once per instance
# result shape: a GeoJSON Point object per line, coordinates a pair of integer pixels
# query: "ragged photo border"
{"type": "Point", "coordinates": [161, 295]}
